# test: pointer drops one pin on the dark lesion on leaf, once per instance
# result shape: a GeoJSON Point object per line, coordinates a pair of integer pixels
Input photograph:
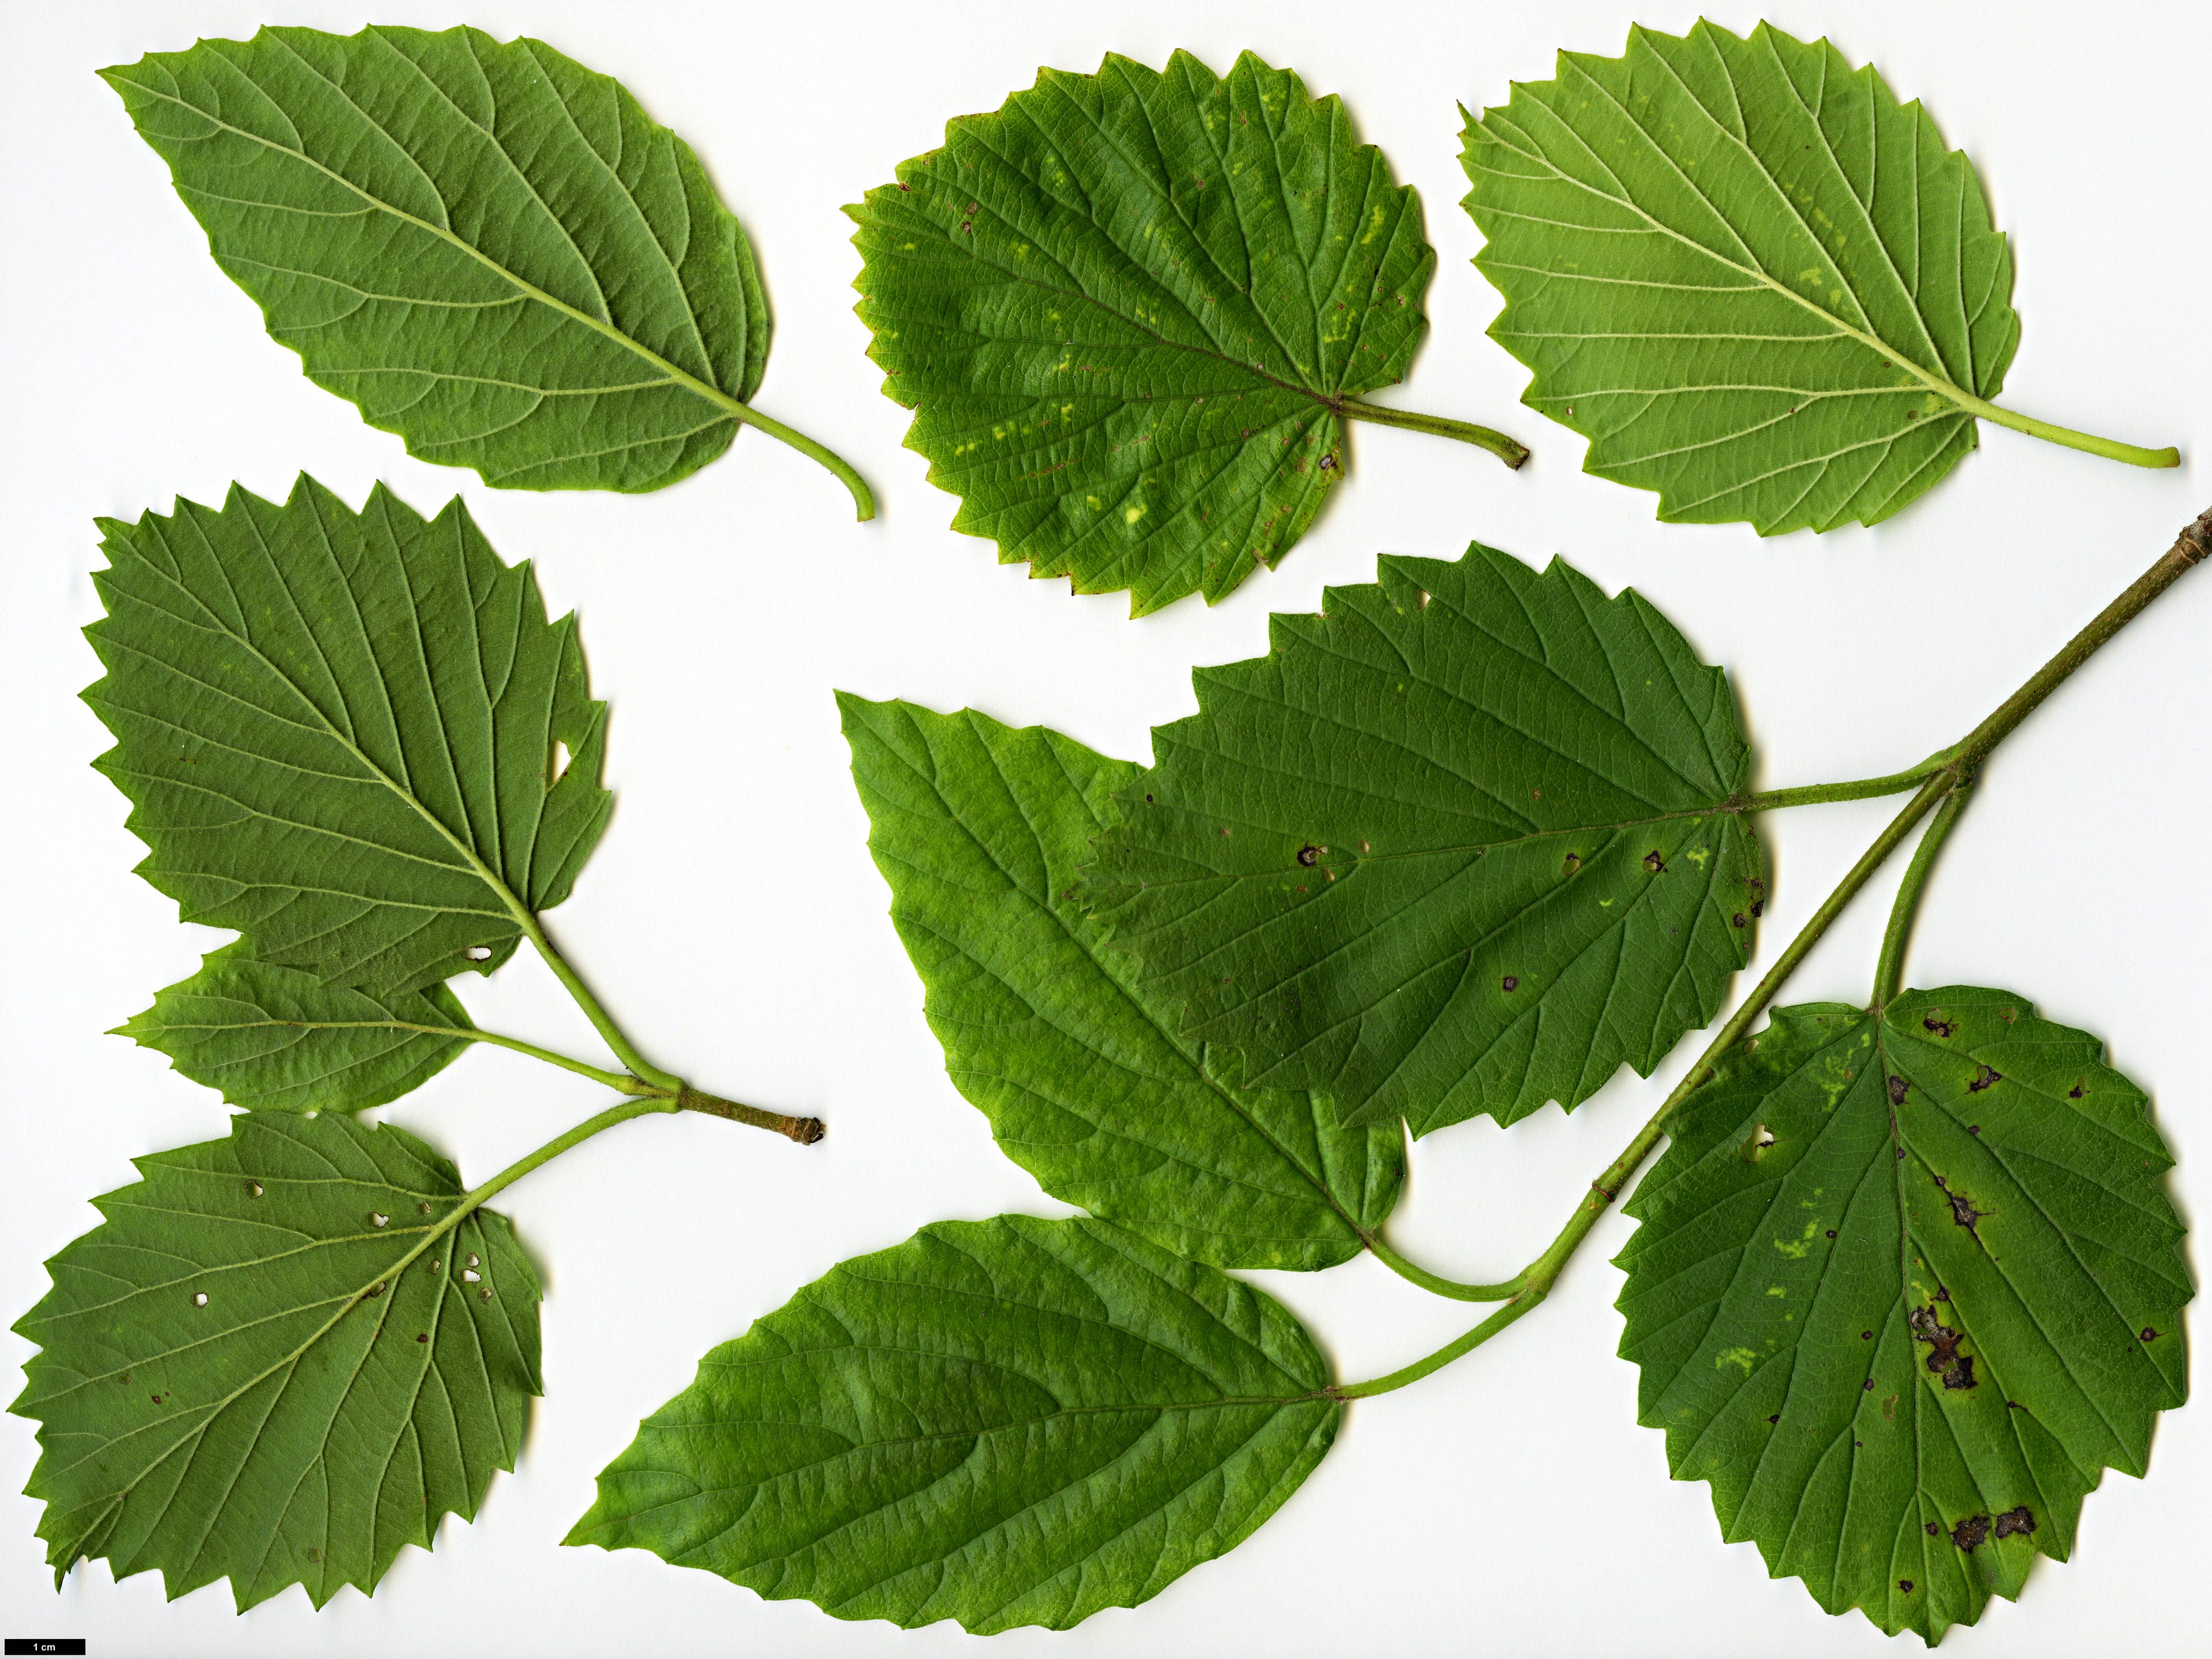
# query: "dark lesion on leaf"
{"type": "Point", "coordinates": [1957, 1369]}
{"type": "Point", "coordinates": [1969, 1532]}
{"type": "Point", "coordinates": [1983, 1076]}
{"type": "Point", "coordinates": [1963, 1213]}
{"type": "Point", "coordinates": [1654, 863]}
{"type": "Point", "coordinates": [2015, 1521]}
{"type": "Point", "coordinates": [1898, 1089]}
{"type": "Point", "coordinates": [1941, 1027]}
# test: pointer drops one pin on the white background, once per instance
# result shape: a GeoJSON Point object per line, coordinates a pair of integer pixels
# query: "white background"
{"type": "Point", "coordinates": [732, 919]}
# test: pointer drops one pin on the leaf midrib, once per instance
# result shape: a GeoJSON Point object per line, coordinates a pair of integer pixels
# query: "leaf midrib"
{"type": "Point", "coordinates": [1195, 1061]}
{"type": "Point", "coordinates": [1942, 387]}
{"type": "Point", "coordinates": [1732, 808]}
{"type": "Point", "coordinates": [735, 410]}
{"type": "Point", "coordinates": [520, 912]}
{"type": "Point", "coordinates": [1175, 1044]}
{"type": "Point", "coordinates": [463, 1208]}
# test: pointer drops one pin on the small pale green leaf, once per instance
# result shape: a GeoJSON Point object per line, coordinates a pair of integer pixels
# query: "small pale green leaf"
{"type": "Point", "coordinates": [1903, 1290]}
{"type": "Point", "coordinates": [1124, 308]}
{"type": "Point", "coordinates": [979, 829]}
{"type": "Point", "coordinates": [352, 737]}
{"type": "Point", "coordinates": [1754, 280]}
{"type": "Point", "coordinates": [281, 1357]}
{"type": "Point", "coordinates": [488, 249]}
{"type": "Point", "coordinates": [1463, 843]}
{"type": "Point", "coordinates": [1009, 1422]}
{"type": "Point", "coordinates": [277, 1039]}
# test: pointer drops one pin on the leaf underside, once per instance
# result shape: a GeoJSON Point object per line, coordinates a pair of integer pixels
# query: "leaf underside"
{"type": "Point", "coordinates": [1746, 273]}
{"type": "Point", "coordinates": [1122, 305]}
{"type": "Point", "coordinates": [979, 829]}
{"type": "Point", "coordinates": [1009, 1422]}
{"type": "Point", "coordinates": [488, 249]}
{"type": "Point", "coordinates": [244, 1373]}
{"type": "Point", "coordinates": [277, 1039]}
{"type": "Point", "coordinates": [1902, 1291]}
{"type": "Point", "coordinates": [1463, 843]}
{"type": "Point", "coordinates": [343, 734]}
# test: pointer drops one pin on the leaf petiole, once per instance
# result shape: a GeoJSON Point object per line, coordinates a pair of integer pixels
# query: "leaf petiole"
{"type": "Point", "coordinates": [1436, 1283]}
{"type": "Point", "coordinates": [2065, 436]}
{"type": "Point", "coordinates": [1889, 972]}
{"type": "Point", "coordinates": [1467, 432]}
{"type": "Point", "coordinates": [645, 1077]}
{"type": "Point", "coordinates": [1815, 794]}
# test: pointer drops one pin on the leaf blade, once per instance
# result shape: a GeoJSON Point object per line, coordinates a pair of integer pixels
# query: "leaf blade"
{"type": "Point", "coordinates": [340, 732]}
{"type": "Point", "coordinates": [478, 174]}
{"type": "Point", "coordinates": [1125, 1415]}
{"type": "Point", "coordinates": [1925, 1398]}
{"type": "Point", "coordinates": [978, 828]}
{"type": "Point", "coordinates": [1162, 228]}
{"type": "Point", "coordinates": [1465, 844]}
{"type": "Point", "coordinates": [1775, 297]}
{"type": "Point", "coordinates": [284, 1391]}
{"type": "Point", "coordinates": [277, 1039]}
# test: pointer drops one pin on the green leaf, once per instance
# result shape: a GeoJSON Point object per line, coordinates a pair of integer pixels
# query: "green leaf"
{"type": "Point", "coordinates": [353, 738]}
{"type": "Point", "coordinates": [1465, 842]}
{"type": "Point", "coordinates": [488, 249]}
{"type": "Point", "coordinates": [1127, 308]}
{"type": "Point", "coordinates": [979, 829]}
{"type": "Point", "coordinates": [277, 1039]}
{"type": "Point", "coordinates": [282, 1357]}
{"type": "Point", "coordinates": [1009, 1422]}
{"type": "Point", "coordinates": [1904, 1289]}
{"type": "Point", "coordinates": [1757, 283]}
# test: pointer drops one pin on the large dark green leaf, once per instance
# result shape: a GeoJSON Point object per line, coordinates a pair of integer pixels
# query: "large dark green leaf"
{"type": "Point", "coordinates": [1757, 282]}
{"type": "Point", "coordinates": [490, 249]}
{"type": "Point", "coordinates": [1903, 1291]}
{"type": "Point", "coordinates": [1465, 842]}
{"type": "Point", "coordinates": [277, 1039]}
{"type": "Point", "coordinates": [1009, 1422]}
{"type": "Point", "coordinates": [353, 737]}
{"type": "Point", "coordinates": [282, 1357]}
{"type": "Point", "coordinates": [979, 829]}
{"type": "Point", "coordinates": [1126, 307]}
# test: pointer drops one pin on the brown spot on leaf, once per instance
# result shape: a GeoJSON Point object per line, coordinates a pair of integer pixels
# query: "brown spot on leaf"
{"type": "Point", "coordinates": [1737, 919]}
{"type": "Point", "coordinates": [2148, 1334]}
{"type": "Point", "coordinates": [1933, 1528]}
{"type": "Point", "coordinates": [1970, 1532]}
{"type": "Point", "coordinates": [1653, 862]}
{"type": "Point", "coordinates": [1574, 863]}
{"type": "Point", "coordinates": [1963, 1212]}
{"type": "Point", "coordinates": [1985, 1076]}
{"type": "Point", "coordinates": [2074, 1093]}
{"type": "Point", "coordinates": [1898, 1089]}
{"type": "Point", "coordinates": [2015, 1521]}
{"type": "Point", "coordinates": [1511, 983]}
{"type": "Point", "coordinates": [1309, 855]}
{"type": "Point", "coordinates": [1937, 1023]}
{"type": "Point", "coordinates": [1957, 1369]}
{"type": "Point", "coordinates": [1776, 1417]}
{"type": "Point", "coordinates": [1905, 1584]}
